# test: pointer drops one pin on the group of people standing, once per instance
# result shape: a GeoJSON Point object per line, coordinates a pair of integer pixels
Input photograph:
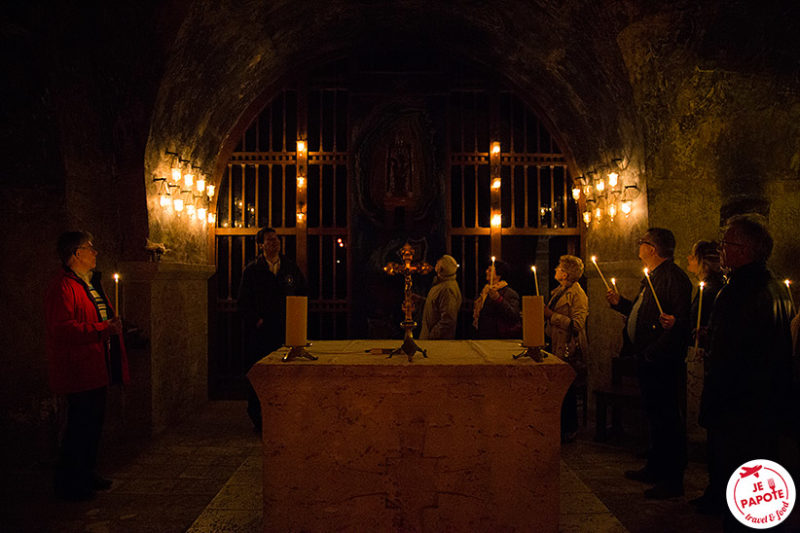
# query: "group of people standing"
{"type": "Point", "coordinates": [745, 340]}
{"type": "Point", "coordinates": [746, 406]}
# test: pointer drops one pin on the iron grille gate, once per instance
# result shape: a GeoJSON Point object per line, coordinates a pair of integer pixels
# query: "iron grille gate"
{"type": "Point", "coordinates": [259, 187]}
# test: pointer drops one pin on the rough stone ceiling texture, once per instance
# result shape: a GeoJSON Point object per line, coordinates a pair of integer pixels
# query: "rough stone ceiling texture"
{"type": "Point", "coordinates": [561, 56]}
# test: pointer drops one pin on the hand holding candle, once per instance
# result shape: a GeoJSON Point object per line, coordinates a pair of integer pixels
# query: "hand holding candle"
{"type": "Point", "coordinates": [116, 294]}
{"type": "Point", "coordinates": [594, 260]}
{"type": "Point", "coordinates": [647, 275]}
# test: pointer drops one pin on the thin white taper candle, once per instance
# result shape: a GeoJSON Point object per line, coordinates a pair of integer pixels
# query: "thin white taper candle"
{"type": "Point", "coordinates": [647, 275]}
{"type": "Point", "coordinates": [116, 294]}
{"type": "Point", "coordinates": [699, 313]}
{"type": "Point", "coordinates": [594, 260]}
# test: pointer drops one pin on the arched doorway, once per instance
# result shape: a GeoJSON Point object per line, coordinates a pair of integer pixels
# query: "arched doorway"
{"type": "Point", "coordinates": [396, 150]}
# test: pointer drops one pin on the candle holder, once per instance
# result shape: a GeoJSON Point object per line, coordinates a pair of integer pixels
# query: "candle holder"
{"type": "Point", "coordinates": [409, 347]}
{"type": "Point", "coordinates": [536, 353]}
{"type": "Point", "coordinates": [298, 352]}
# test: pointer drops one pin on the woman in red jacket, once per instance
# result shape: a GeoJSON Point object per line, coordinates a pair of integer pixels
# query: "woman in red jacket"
{"type": "Point", "coordinates": [85, 354]}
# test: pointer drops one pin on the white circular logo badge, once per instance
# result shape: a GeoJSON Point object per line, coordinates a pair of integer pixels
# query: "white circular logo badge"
{"type": "Point", "coordinates": [761, 494]}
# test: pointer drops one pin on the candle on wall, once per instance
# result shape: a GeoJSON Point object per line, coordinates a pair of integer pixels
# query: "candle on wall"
{"type": "Point", "coordinates": [614, 284]}
{"type": "Point", "coordinates": [647, 275]}
{"type": "Point", "coordinates": [535, 279]}
{"type": "Point", "coordinates": [699, 311]}
{"type": "Point", "coordinates": [116, 294]}
{"type": "Point", "coordinates": [788, 283]}
{"type": "Point", "coordinates": [491, 275]}
{"type": "Point", "coordinates": [533, 321]}
{"type": "Point", "coordinates": [296, 320]}
{"type": "Point", "coordinates": [594, 260]}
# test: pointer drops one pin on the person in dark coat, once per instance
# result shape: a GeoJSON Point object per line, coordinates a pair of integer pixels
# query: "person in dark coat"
{"type": "Point", "coordinates": [85, 354]}
{"type": "Point", "coordinates": [496, 314]}
{"type": "Point", "coordinates": [266, 282]}
{"type": "Point", "coordinates": [746, 404]}
{"type": "Point", "coordinates": [660, 353]}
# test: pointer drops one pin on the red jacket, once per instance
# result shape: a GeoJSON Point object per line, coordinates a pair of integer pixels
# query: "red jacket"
{"type": "Point", "coordinates": [77, 339]}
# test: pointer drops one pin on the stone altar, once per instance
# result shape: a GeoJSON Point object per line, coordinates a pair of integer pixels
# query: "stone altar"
{"type": "Point", "coordinates": [466, 440]}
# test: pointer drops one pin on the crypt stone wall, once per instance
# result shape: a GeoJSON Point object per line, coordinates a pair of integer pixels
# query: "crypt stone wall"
{"type": "Point", "coordinates": [700, 130]}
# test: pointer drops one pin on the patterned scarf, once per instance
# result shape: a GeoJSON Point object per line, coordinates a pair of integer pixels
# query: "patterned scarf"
{"type": "Point", "coordinates": [476, 312]}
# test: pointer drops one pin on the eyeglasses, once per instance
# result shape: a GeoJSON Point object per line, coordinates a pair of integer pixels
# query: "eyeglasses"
{"type": "Point", "coordinates": [87, 247]}
{"type": "Point", "coordinates": [723, 243]}
{"type": "Point", "coordinates": [642, 241]}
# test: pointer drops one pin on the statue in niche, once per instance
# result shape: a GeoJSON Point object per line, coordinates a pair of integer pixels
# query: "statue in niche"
{"type": "Point", "coordinates": [399, 169]}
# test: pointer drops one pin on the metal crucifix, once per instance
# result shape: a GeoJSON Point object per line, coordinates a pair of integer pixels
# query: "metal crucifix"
{"type": "Point", "coordinates": [407, 268]}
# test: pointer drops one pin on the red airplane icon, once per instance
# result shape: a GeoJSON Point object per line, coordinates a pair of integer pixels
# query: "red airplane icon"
{"type": "Point", "coordinates": [747, 471]}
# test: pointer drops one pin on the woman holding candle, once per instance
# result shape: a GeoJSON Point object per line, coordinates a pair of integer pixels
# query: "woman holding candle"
{"type": "Point", "coordinates": [85, 355]}
{"type": "Point", "coordinates": [565, 317]}
{"type": "Point", "coordinates": [703, 262]}
{"type": "Point", "coordinates": [496, 314]}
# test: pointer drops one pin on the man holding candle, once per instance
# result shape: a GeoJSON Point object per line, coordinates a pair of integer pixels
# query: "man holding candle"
{"type": "Point", "coordinates": [746, 403]}
{"type": "Point", "coordinates": [565, 317]}
{"type": "Point", "coordinates": [496, 314]}
{"type": "Point", "coordinates": [440, 314]}
{"type": "Point", "coordinates": [660, 357]}
{"type": "Point", "coordinates": [85, 354]}
{"type": "Point", "coordinates": [266, 282]}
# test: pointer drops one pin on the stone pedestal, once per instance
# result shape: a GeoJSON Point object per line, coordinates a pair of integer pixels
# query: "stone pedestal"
{"type": "Point", "coordinates": [465, 440]}
{"type": "Point", "coordinates": [168, 303]}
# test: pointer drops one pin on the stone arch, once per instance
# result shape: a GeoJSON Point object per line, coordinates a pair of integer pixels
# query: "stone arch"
{"type": "Point", "coordinates": [227, 59]}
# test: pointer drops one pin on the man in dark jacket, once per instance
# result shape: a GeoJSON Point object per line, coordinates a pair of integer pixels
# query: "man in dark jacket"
{"type": "Point", "coordinates": [266, 282]}
{"type": "Point", "coordinates": [746, 394]}
{"type": "Point", "coordinates": [660, 354]}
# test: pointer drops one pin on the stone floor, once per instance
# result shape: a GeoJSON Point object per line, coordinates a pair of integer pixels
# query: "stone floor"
{"type": "Point", "coordinates": [203, 476]}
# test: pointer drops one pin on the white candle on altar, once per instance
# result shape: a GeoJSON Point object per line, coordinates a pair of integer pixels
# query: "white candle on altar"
{"type": "Point", "coordinates": [594, 260]}
{"type": "Point", "coordinates": [533, 321]}
{"type": "Point", "coordinates": [699, 311]}
{"type": "Point", "coordinates": [116, 294]}
{"type": "Point", "coordinates": [491, 275]}
{"type": "Point", "coordinates": [296, 320]}
{"type": "Point", "coordinates": [535, 279]}
{"type": "Point", "coordinates": [647, 275]}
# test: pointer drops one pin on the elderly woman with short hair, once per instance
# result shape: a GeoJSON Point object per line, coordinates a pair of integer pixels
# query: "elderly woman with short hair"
{"type": "Point", "coordinates": [565, 315]}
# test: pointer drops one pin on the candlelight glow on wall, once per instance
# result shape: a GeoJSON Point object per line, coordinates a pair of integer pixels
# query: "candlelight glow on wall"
{"type": "Point", "coordinates": [608, 197]}
{"type": "Point", "coordinates": [186, 191]}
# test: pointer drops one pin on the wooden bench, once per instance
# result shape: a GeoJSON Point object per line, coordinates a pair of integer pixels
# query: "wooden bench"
{"type": "Point", "coordinates": [622, 394]}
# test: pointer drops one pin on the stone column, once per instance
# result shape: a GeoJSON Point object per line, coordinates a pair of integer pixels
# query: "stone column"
{"type": "Point", "coordinates": [168, 303]}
